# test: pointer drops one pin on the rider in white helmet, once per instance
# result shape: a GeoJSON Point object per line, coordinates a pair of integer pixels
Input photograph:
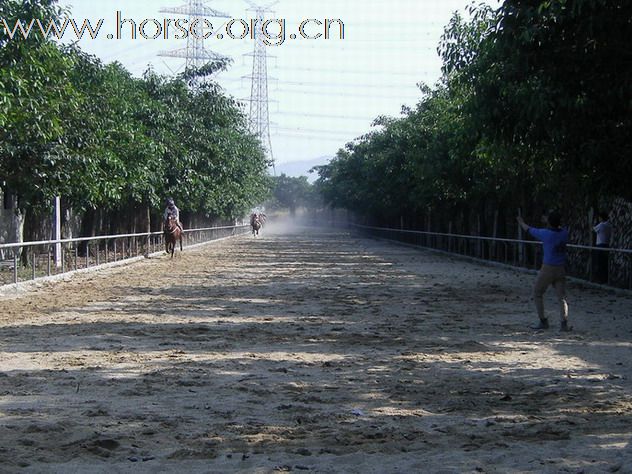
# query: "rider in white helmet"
{"type": "Point", "coordinates": [172, 210]}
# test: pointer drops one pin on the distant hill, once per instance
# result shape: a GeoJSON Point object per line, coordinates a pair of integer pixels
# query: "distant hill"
{"type": "Point", "coordinates": [301, 168]}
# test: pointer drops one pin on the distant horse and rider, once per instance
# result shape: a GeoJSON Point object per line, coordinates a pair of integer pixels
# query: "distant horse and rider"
{"type": "Point", "coordinates": [173, 230]}
{"type": "Point", "coordinates": [256, 222]}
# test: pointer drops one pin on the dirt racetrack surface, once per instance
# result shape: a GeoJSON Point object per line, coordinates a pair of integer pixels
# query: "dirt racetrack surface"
{"type": "Point", "coordinates": [311, 350]}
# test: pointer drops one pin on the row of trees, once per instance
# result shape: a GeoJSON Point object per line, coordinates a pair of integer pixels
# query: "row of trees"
{"type": "Point", "coordinates": [292, 193]}
{"type": "Point", "coordinates": [109, 142]}
{"type": "Point", "coordinates": [534, 110]}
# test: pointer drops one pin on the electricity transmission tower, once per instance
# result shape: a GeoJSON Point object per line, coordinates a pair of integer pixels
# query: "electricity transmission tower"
{"type": "Point", "coordinates": [259, 117]}
{"type": "Point", "coordinates": [195, 54]}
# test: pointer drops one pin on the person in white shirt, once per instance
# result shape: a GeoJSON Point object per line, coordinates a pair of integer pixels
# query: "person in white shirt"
{"type": "Point", "coordinates": [604, 235]}
{"type": "Point", "coordinates": [603, 230]}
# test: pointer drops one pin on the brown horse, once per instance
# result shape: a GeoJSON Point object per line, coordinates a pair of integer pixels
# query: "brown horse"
{"type": "Point", "coordinates": [173, 234]}
{"type": "Point", "coordinates": [256, 226]}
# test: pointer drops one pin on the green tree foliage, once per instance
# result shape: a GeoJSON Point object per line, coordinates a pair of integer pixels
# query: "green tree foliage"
{"type": "Point", "coordinates": [72, 126]}
{"type": "Point", "coordinates": [534, 105]}
{"type": "Point", "coordinates": [556, 77]}
{"type": "Point", "coordinates": [35, 95]}
{"type": "Point", "coordinates": [291, 193]}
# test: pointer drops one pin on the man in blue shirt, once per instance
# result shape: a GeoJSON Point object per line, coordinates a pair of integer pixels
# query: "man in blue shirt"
{"type": "Point", "coordinates": [554, 239]}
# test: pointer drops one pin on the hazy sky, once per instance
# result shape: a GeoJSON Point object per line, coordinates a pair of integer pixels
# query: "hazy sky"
{"type": "Point", "coordinates": [323, 93]}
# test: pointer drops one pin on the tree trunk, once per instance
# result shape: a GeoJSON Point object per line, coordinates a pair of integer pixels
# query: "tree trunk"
{"type": "Point", "coordinates": [479, 247]}
{"type": "Point", "coordinates": [18, 220]}
{"type": "Point", "coordinates": [148, 229]}
{"type": "Point", "coordinates": [87, 227]}
{"type": "Point", "coordinates": [495, 232]}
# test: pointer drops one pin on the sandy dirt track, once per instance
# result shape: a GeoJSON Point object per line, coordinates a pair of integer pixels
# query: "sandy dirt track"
{"type": "Point", "coordinates": [311, 351]}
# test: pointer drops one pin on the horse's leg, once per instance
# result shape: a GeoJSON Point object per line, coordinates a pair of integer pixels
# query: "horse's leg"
{"type": "Point", "coordinates": [180, 243]}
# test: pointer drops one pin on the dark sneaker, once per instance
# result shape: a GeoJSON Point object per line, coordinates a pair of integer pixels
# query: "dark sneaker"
{"type": "Point", "coordinates": [544, 324]}
{"type": "Point", "coordinates": [564, 327]}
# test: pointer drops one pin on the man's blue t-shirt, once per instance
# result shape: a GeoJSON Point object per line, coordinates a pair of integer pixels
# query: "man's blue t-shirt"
{"type": "Point", "coordinates": [554, 243]}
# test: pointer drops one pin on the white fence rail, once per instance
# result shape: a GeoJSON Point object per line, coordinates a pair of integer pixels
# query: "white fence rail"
{"type": "Point", "coordinates": [609, 266]}
{"type": "Point", "coordinates": [31, 260]}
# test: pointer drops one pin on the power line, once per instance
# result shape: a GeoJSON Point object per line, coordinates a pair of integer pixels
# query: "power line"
{"type": "Point", "coordinates": [313, 130]}
{"type": "Point", "coordinates": [329, 84]}
{"type": "Point", "coordinates": [345, 117]}
{"type": "Point", "coordinates": [123, 51]}
{"type": "Point", "coordinates": [305, 91]}
{"type": "Point", "coordinates": [367, 52]}
{"type": "Point", "coordinates": [307, 136]}
{"type": "Point", "coordinates": [358, 72]}
{"type": "Point", "coordinates": [344, 94]}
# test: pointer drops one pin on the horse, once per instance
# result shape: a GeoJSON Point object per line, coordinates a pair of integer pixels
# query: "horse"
{"type": "Point", "coordinates": [173, 234]}
{"type": "Point", "coordinates": [256, 226]}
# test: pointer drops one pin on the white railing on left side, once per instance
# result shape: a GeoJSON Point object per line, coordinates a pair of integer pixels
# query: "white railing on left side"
{"type": "Point", "coordinates": [31, 260]}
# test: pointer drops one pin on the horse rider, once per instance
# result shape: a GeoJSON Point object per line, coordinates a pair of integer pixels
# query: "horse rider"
{"type": "Point", "coordinates": [172, 210]}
